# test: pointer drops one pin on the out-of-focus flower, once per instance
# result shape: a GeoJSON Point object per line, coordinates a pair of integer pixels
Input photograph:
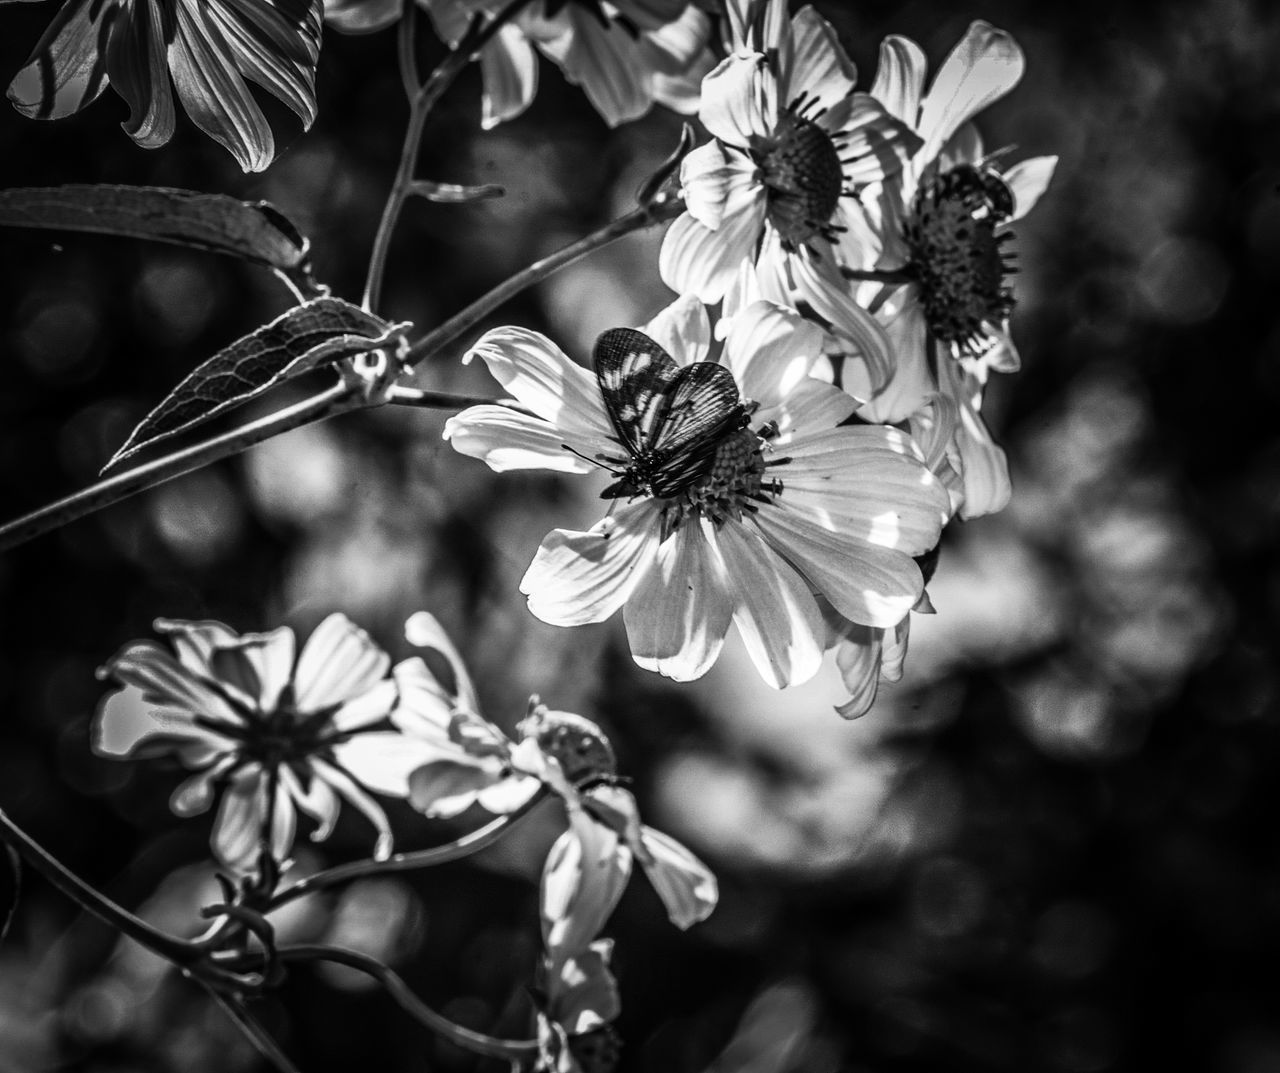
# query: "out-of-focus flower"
{"type": "Point", "coordinates": [942, 220]}
{"type": "Point", "coordinates": [625, 54]}
{"type": "Point", "coordinates": [275, 736]}
{"type": "Point", "coordinates": [208, 47]}
{"type": "Point", "coordinates": [576, 1008]}
{"type": "Point", "coordinates": [747, 520]}
{"type": "Point", "coordinates": [769, 198]}
{"type": "Point", "coordinates": [589, 865]}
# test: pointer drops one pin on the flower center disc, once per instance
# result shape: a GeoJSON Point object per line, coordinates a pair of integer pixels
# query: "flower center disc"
{"type": "Point", "coordinates": [957, 257]}
{"type": "Point", "coordinates": [734, 483]}
{"type": "Point", "coordinates": [801, 169]}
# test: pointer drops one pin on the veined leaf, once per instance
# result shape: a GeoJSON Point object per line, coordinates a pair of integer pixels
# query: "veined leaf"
{"type": "Point", "coordinates": [253, 230]}
{"type": "Point", "coordinates": [321, 332]}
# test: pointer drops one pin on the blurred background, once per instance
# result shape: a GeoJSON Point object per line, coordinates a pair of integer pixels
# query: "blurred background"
{"type": "Point", "coordinates": [1051, 847]}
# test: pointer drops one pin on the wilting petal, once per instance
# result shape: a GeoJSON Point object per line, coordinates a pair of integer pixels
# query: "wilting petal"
{"type": "Point", "coordinates": [1027, 181]}
{"type": "Point", "coordinates": [584, 876]}
{"type": "Point", "coordinates": [740, 100]}
{"type": "Point", "coordinates": [984, 66]}
{"type": "Point", "coordinates": [340, 661]}
{"type": "Point", "coordinates": [214, 93]}
{"type": "Point", "coordinates": [867, 584]}
{"type": "Point", "coordinates": [138, 71]}
{"type": "Point", "coordinates": [900, 78]}
{"type": "Point", "coordinates": [505, 440]}
{"type": "Point", "coordinates": [317, 801]}
{"type": "Point", "coordinates": [679, 613]}
{"type": "Point", "coordinates": [67, 68]}
{"type": "Point", "coordinates": [821, 71]}
{"type": "Point", "coordinates": [777, 615]}
{"type": "Point", "coordinates": [686, 886]}
{"type": "Point", "coordinates": [578, 578]}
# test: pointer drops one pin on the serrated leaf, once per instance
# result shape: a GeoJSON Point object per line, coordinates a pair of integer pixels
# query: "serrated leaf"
{"type": "Point", "coordinates": [252, 230]}
{"type": "Point", "coordinates": [318, 333]}
{"type": "Point", "coordinates": [454, 193]}
{"type": "Point", "coordinates": [10, 888]}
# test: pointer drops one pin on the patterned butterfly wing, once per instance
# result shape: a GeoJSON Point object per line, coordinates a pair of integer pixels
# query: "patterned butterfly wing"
{"type": "Point", "coordinates": [636, 377]}
{"type": "Point", "coordinates": [704, 408]}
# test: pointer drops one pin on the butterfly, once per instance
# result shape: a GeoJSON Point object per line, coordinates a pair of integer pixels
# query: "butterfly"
{"type": "Point", "coordinates": [670, 418]}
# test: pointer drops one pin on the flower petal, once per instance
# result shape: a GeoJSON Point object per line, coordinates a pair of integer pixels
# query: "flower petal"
{"type": "Point", "coordinates": [505, 439]}
{"type": "Point", "coordinates": [678, 614]}
{"type": "Point", "coordinates": [339, 662]}
{"type": "Point", "coordinates": [509, 67]}
{"type": "Point", "coordinates": [686, 886]}
{"type": "Point", "coordinates": [238, 827]}
{"type": "Point", "coordinates": [740, 100]}
{"type": "Point", "coordinates": [696, 260]}
{"type": "Point", "coordinates": [584, 876]}
{"type": "Point", "coordinates": [384, 760]}
{"type": "Point", "coordinates": [858, 660]}
{"type": "Point", "coordinates": [423, 630]}
{"type": "Point", "coordinates": [776, 613]}
{"type": "Point", "coordinates": [872, 143]}
{"type": "Point", "coordinates": [67, 69]}
{"type": "Point", "coordinates": [912, 382]}
{"type": "Point", "coordinates": [1028, 180]}
{"type": "Point", "coordinates": [985, 65]}
{"type": "Point", "coordinates": [137, 69]}
{"type": "Point", "coordinates": [361, 16]}
{"type": "Point", "coordinates": [258, 665]}
{"type": "Point", "coordinates": [582, 994]}
{"type": "Point", "coordinates": [445, 787]}
{"type": "Point", "coordinates": [771, 350]}
{"type": "Point", "coordinates": [682, 330]}
{"type": "Point", "coordinates": [821, 70]}
{"type": "Point", "coordinates": [353, 794]}
{"type": "Point", "coordinates": [578, 578]}
{"type": "Point", "coordinates": [605, 61]}
{"type": "Point", "coordinates": [900, 78]}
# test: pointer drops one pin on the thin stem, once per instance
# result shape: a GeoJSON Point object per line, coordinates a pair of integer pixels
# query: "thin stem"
{"type": "Point", "coordinates": [179, 951]}
{"type": "Point", "coordinates": [254, 1032]}
{"type": "Point", "coordinates": [406, 43]}
{"type": "Point", "coordinates": [335, 400]}
{"type": "Point", "coordinates": [443, 400]}
{"type": "Point", "coordinates": [421, 102]}
{"type": "Point", "coordinates": [476, 1042]}
{"type": "Point", "coordinates": [404, 862]}
{"type": "Point", "coordinates": [468, 318]}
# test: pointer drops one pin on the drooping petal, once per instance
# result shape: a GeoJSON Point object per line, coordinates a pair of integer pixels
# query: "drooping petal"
{"type": "Point", "coordinates": [138, 71]}
{"type": "Point", "coordinates": [238, 829]}
{"type": "Point", "coordinates": [316, 800]}
{"type": "Point", "coordinates": [505, 439]}
{"type": "Point", "coordinates": [578, 578]}
{"type": "Point", "coordinates": [900, 78]}
{"type": "Point", "coordinates": [687, 887]}
{"type": "Point", "coordinates": [542, 378]}
{"type": "Point", "coordinates": [985, 65]}
{"type": "Point", "coordinates": [776, 613]}
{"type": "Point", "coordinates": [868, 584]}
{"type": "Point", "coordinates": [604, 60]}
{"type": "Point", "coordinates": [213, 91]}
{"type": "Point", "coordinates": [584, 876]}
{"type": "Point", "coordinates": [858, 660]}
{"type": "Point", "coordinates": [509, 67]}
{"type": "Point", "coordinates": [339, 662]}
{"type": "Point", "coordinates": [67, 68]}
{"type": "Point", "coordinates": [195, 794]}
{"type": "Point", "coordinates": [983, 467]}
{"type": "Point", "coordinates": [679, 613]}
{"type": "Point", "coordinates": [351, 792]}
{"type": "Point", "coordinates": [682, 330]}
{"type": "Point", "coordinates": [1027, 181]}
{"type": "Point", "coordinates": [740, 100]}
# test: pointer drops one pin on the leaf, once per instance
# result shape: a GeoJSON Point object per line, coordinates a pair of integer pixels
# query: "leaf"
{"type": "Point", "coordinates": [321, 332]}
{"type": "Point", "coordinates": [10, 887]}
{"type": "Point", "coordinates": [453, 193]}
{"type": "Point", "coordinates": [252, 230]}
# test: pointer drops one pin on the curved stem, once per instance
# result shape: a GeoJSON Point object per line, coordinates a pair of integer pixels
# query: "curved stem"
{"type": "Point", "coordinates": [179, 951]}
{"type": "Point", "coordinates": [404, 862]}
{"type": "Point", "coordinates": [335, 400]}
{"type": "Point", "coordinates": [253, 1032]}
{"type": "Point", "coordinates": [476, 1042]}
{"type": "Point", "coordinates": [421, 102]}
{"type": "Point", "coordinates": [468, 318]}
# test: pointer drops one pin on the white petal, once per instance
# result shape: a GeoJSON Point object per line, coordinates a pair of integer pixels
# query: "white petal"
{"type": "Point", "coordinates": [682, 330]}
{"type": "Point", "coordinates": [510, 69]}
{"type": "Point", "coordinates": [777, 615]}
{"type": "Point", "coordinates": [820, 68]}
{"type": "Point", "coordinates": [507, 795]}
{"type": "Point", "coordinates": [872, 143]}
{"type": "Point", "coordinates": [771, 350]}
{"type": "Point", "coordinates": [1028, 180]}
{"type": "Point", "coordinates": [983, 466]}
{"type": "Point", "coordinates": [585, 874]}
{"type": "Point", "coordinates": [900, 78]}
{"type": "Point", "coordinates": [423, 630]}
{"type": "Point", "coordinates": [696, 260]}
{"type": "Point", "coordinates": [686, 886]}
{"type": "Point", "coordinates": [339, 662]}
{"type": "Point", "coordinates": [812, 404]}
{"type": "Point", "coordinates": [539, 374]}
{"type": "Point", "coordinates": [194, 795]}
{"type": "Point", "coordinates": [259, 665]}
{"type": "Point", "coordinates": [196, 642]}
{"type": "Point", "coordinates": [318, 801]}
{"type": "Point", "coordinates": [870, 585]}
{"type": "Point", "coordinates": [238, 827]}
{"type": "Point", "coordinates": [354, 794]}
{"type": "Point", "coordinates": [912, 381]}
{"type": "Point", "coordinates": [709, 178]}
{"type": "Point", "coordinates": [445, 787]}
{"type": "Point", "coordinates": [578, 578]}
{"type": "Point", "coordinates": [384, 760]}
{"type": "Point", "coordinates": [679, 613]}
{"type": "Point", "coordinates": [504, 440]}
{"type": "Point", "coordinates": [858, 660]}
{"type": "Point", "coordinates": [582, 994]}
{"type": "Point", "coordinates": [985, 65]}
{"type": "Point", "coordinates": [740, 100]}
{"type": "Point", "coordinates": [605, 62]}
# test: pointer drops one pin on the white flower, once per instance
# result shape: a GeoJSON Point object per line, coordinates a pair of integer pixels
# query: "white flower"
{"type": "Point", "coordinates": [275, 736]}
{"type": "Point", "coordinates": [769, 196]}
{"type": "Point", "coordinates": [791, 504]}
{"type": "Point", "coordinates": [625, 54]}
{"type": "Point", "coordinates": [576, 1008]}
{"type": "Point", "coordinates": [941, 220]}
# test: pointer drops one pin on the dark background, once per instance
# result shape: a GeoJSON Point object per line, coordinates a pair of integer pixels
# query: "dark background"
{"type": "Point", "coordinates": [1052, 847]}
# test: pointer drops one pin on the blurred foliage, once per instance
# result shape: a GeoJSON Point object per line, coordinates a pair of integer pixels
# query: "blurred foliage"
{"type": "Point", "coordinates": [1051, 847]}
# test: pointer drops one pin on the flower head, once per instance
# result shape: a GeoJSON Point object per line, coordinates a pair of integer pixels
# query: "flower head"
{"type": "Point", "coordinates": [272, 734]}
{"type": "Point", "coordinates": [576, 1008]}
{"type": "Point", "coordinates": [208, 47]}
{"type": "Point", "coordinates": [759, 515]}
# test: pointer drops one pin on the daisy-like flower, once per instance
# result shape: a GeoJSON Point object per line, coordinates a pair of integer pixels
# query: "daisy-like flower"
{"type": "Point", "coordinates": [474, 763]}
{"type": "Point", "coordinates": [771, 507]}
{"type": "Point", "coordinates": [209, 47]}
{"type": "Point", "coordinates": [793, 143]}
{"type": "Point", "coordinates": [273, 734]}
{"type": "Point", "coordinates": [625, 54]}
{"type": "Point", "coordinates": [942, 222]}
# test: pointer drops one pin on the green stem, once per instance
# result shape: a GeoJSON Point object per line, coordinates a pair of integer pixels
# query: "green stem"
{"type": "Point", "coordinates": [335, 400]}
{"type": "Point", "coordinates": [466, 319]}
{"type": "Point", "coordinates": [477, 1042]}
{"type": "Point", "coordinates": [421, 102]}
{"type": "Point", "coordinates": [179, 951]}
{"type": "Point", "coordinates": [403, 862]}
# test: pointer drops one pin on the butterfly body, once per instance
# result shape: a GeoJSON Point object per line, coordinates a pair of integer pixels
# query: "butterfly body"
{"type": "Point", "coordinates": [671, 419]}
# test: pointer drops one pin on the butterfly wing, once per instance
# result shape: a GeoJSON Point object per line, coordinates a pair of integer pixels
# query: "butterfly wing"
{"type": "Point", "coordinates": [636, 378]}
{"type": "Point", "coordinates": [704, 407]}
